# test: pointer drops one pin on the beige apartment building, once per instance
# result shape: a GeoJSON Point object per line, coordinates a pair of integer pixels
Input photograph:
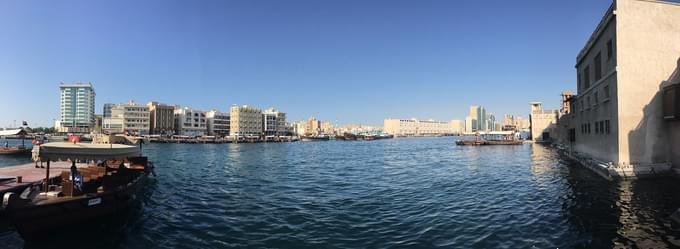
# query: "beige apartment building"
{"type": "Point", "coordinates": [312, 127]}
{"type": "Point", "coordinates": [245, 121]}
{"type": "Point", "coordinates": [190, 122]}
{"type": "Point", "coordinates": [457, 126]}
{"type": "Point", "coordinates": [161, 118]}
{"type": "Point", "coordinates": [415, 127]}
{"type": "Point", "coordinates": [617, 116]}
{"type": "Point", "coordinates": [129, 118]}
{"type": "Point", "coordinates": [327, 127]}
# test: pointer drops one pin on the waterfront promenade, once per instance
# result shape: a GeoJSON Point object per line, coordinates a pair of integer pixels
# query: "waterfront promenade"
{"type": "Point", "coordinates": [415, 193]}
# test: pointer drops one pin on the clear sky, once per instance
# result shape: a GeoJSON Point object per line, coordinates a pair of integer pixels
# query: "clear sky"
{"type": "Point", "coordinates": [346, 61]}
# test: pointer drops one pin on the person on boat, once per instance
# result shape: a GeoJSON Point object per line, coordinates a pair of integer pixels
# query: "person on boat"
{"type": "Point", "coordinates": [6, 144]}
{"type": "Point", "coordinates": [76, 177]}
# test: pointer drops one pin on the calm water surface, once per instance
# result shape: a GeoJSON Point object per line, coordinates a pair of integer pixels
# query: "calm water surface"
{"type": "Point", "coordinates": [399, 193]}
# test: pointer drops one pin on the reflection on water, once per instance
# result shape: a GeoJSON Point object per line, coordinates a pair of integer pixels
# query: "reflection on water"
{"type": "Point", "coordinates": [410, 193]}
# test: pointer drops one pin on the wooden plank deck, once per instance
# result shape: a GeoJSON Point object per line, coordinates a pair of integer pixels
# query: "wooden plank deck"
{"type": "Point", "coordinates": [31, 174]}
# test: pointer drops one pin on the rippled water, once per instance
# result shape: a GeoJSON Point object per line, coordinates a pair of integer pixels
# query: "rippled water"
{"type": "Point", "coordinates": [399, 193]}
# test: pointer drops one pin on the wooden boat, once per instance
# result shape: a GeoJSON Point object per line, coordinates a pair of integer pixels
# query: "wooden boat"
{"type": "Point", "coordinates": [488, 142]}
{"type": "Point", "coordinates": [315, 138]}
{"type": "Point", "coordinates": [83, 194]}
{"type": "Point", "coordinates": [14, 150]}
{"type": "Point", "coordinates": [490, 138]}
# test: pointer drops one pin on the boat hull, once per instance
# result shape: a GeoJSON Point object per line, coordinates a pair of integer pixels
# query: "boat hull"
{"type": "Point", "coordinates": [34, 222]}
{"type": "Point", "coordinates": [14, 151]}
{"type": "Point", "coordinates": [483, 142]}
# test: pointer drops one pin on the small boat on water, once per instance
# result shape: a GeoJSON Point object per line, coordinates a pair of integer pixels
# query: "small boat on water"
{"type": "Point", "coordinates": [490, 138]}
{"type": "Point", "coordinates": [87, 192]}
{"type": "Point", "coordinates": [321, 137]}
{"type": "Point", "coordinates": [14, 150]}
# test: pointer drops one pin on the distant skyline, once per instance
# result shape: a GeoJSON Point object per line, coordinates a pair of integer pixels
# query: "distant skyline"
{"type": "Point", "coordinates": [340, 61]}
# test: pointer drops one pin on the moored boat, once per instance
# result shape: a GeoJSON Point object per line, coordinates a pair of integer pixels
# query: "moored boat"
{"type": "Point", "coordinates": [490, 138]}
{"type": "Point", "coordinates": [321, 137]}
{"type": "Point", "coordinates": [85, 193]}
{"type": "Point", "coordinates": [14, 150]}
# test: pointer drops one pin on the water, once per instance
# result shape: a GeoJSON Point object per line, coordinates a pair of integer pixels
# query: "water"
{"type": "Point", "coordinates": [398, 193]}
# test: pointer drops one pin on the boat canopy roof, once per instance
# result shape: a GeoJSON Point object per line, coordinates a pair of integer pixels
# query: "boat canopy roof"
{"type": "Point", "coordinates": [12, 132]}
{"type": "Point", "coordinates": [78, 151]}
{"type": "Point", "coordinates": [482, 133]}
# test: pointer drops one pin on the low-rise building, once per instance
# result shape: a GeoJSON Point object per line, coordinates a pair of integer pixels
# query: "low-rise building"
{"type": "Point", "coordinates": [218, 123]}
{"type": "Point", "coordinates": [190, 122]}
{"type": "Point", "coordinates": [326, 127]}
{"type": "Point", "coordinates": [623, 113]}
{"type": "Point", "coordinates": [457, 126]}
{"type": "Point", "coordinates": [313, 127]}
{"type": "Point", "coordinates": [245, 121]}
{"type": "Point", "coordinates": [161, 118]}
{"type": "Point", "coordinates": [543, 122]}
{"type": "Point", "coordinates": [274, 123]}
{"type": "Point", "coordinates": [415, 127]}
{"type": "Point", "coordinates": [357, 129]}
{"type": "Point", "coordinates": [129, 118]}
{"type": "Point", "coordinates": [299, 128]}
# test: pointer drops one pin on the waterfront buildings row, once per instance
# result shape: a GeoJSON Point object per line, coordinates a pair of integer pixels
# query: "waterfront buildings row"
{"type": "Point", "coordinates": [477, 121]}
{"type": "Point", "coordinates": [313, 127]}
{"type": "Point", "coordinates": [624, 118]}
{"type": "Point", "coordinates": [77, 116]}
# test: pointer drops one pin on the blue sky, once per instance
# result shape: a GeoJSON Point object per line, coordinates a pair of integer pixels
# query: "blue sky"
{"type": "Point", "coordinates": [346, 61]}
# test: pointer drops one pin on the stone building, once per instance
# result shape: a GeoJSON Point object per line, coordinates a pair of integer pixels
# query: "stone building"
{"type": "Point", "coordinates": [617, 115]}
{"type": "Point", "coordinates": [542, 123]}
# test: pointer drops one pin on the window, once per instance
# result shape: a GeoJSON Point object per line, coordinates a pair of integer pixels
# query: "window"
{"type": "Point", "coordinates": [578, 80]}
{"type": "Point", "coordinates": [607, 127]}
{"type": "Point", "coordinates": [588, 101]}
{"type": "Point", "coordinates": [595, 95]}
{"type": "Point", "coordinates": [610, 50]}
{"type": "Point", "coordinates": [601, 127]}
{"type": "Point", "coordinates": [598, 66]}
{"type": "Point", "coordinates": [586, 77]}
{"type": "Point", "coordinates": [606, 93]}
{"type": "Point", "coordinates": [671, 102]}
{"type": "Point", "coordinates": [588, 128]}
{"type": "Point", "coordinates": [597, 127]}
